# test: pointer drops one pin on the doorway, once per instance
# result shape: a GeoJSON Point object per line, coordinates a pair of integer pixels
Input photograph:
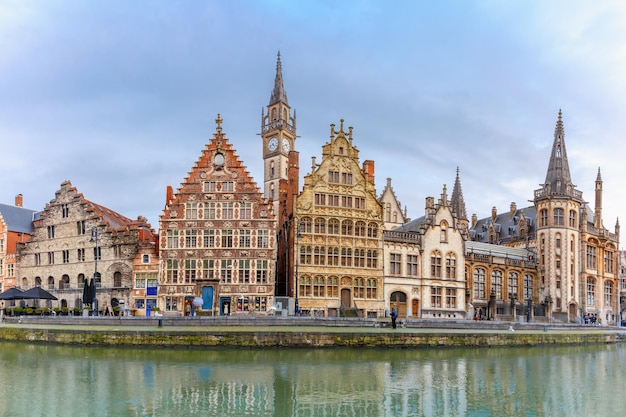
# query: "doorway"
{"type": "Point", "coordinates": [415, 308]}
{"type": "Point", "coordinates": [398, 301]}
{"type": "Point", "coordinates": [346, 301]}
{"type": "Point", "coordinates": [225, 306]}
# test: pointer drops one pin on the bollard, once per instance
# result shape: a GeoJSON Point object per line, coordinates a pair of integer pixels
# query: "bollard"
{"type": "Point", "coordinates": [160, 323]}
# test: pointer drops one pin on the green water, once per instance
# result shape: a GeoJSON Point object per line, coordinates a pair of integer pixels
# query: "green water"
{"type": "Point", "coordinates": [40, 380]}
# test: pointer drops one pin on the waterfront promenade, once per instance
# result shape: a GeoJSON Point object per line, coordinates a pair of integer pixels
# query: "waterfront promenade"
{"type": "Point", "coordinates": [260, 332]}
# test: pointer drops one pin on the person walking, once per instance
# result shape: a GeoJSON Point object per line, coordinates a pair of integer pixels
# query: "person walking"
{"type": "Point", "coordinates": [394, 316]}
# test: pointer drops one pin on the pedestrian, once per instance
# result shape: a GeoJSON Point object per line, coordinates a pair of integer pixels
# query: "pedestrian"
{"type": "Point", "coordinates": [394, 316]}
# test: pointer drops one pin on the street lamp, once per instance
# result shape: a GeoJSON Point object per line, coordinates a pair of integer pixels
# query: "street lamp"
{"type": "Point", "coordinates": [96, 255]}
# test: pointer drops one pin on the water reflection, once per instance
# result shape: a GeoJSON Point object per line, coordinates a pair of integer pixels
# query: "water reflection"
{"type": "Point", "coordinates": [41, 380]}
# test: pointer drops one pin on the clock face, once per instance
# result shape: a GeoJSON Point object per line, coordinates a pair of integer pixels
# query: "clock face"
{"type": "Point", "coordinates": [286, 145]}
{"type": "Point", "coordinates": [219, 159]}
{"type": "Point", "coordinates": [272, 145]}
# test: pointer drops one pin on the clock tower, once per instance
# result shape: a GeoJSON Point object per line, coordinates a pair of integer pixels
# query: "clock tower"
{"type": "Point", "coordinates": [278, 131]}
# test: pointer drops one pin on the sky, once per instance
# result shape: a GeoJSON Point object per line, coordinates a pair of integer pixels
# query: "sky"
{"type": "Point", "coordinates": [121, 97]}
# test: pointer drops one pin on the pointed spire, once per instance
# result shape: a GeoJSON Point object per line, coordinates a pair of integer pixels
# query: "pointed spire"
{"type": "Point", "coordinates": [599, 177]}
{"type": "Point", "coordinates": [558, 176]}
{"type": "Point", "coordinates": [278, 94]}
{"type": "Point", "coordinates": [457, 202]}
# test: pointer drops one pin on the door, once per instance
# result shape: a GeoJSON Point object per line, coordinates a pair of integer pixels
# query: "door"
{"type": "Point", "coordinates": [224, 306]}
{"type": "Point", "coordinates": [415, 308]}
{"type": "Point", "coordinates": [345, 298]}
{"type": "Point", "coordinates": [207, 298]}
{"type": "Point", "coordinates": [398, 301]}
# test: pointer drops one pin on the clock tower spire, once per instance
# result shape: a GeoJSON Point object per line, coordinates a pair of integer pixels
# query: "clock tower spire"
{"type": "Point", "coordinates": [278, 132]}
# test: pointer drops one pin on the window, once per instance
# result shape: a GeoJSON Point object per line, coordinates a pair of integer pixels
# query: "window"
{"type": "Point", "coordinates": [591, 291]}
{"type": "Point", "coordinates": [262, 239]}
{"type": "Point", "coordinates": [191, 211]}
{"type": "Point", "coordinates": [371, 288]}
{"type": "Point", "coordinates": [479, 283]}
{"type": "Point", "coordinates": [435, 264]}
{"type": "Point", "coordinates": [359, 203]}
{"type": "Point", "coordinates": [346, 228]}
{"type": "Point", "coordinates": [171, 304]}
{"type": "Point", "coordinates": [10, 270]}
{"type": "Point", "coordinates": [208, 269]}
{"type": "Point", "coordinates": [117, 279]}
{"type": "Point", "coordinates": [333, 200]}
{"type": "Point", "coordinates": [97, 252]}
{"type": "Point", "coordinates": [51, 258]}
{"type": "Point", "coordinates": [450, 297]}
{"type": "Point", "coordinates": [261, 271]}
{"type": "Point", "coordinates": [209, 211]}
{"type": "Point", "coordinates": [359, 258]}
{"type": "Point", "coordinates": [443, 231]}
{"type": "Point", "coordinates": [346, 201]}
{"type": "Point", "coordinates": [245, 211]}
{"type": "Point", "coordinates": [591, 257]}
{"type": "Point", "coordinates": [496, 283]}
{"type": "Point", "coordinates": [320, 226]}
{"type": "Point", "coordinates": [572, 218]}
{"type": "Point", "coordinates": [260, 303]}
{"type": "Point", "coordinates": [227, 238]}
{"type": "Point", "coordinates": [359, 229]}
{"type": "Point", "coordinates": [333, 256]}
{"type": "Point", "coordinates": [513, 284]}
{"type": "Point", "coordinates": [305, 286]}
{"type": "Point", "coordinates": [140, 280]}
{"type": "Point", "coordinates": [319, 287]}
{"type": "Point", "coordinates": [244, 271]}
{"type": "Point", "coordinates": [145, 259]}
{"type": "Point", "coordinates": [66, 256]}
{"type": "Point", "coordinates": [228, 186]}
{"type": "Point", "coordinates": [319, 255]}
{"type": "Point", "coordinates": [50, 232]}
{"type": "Point", "coordinates": [372, 230]}
{"type": "Point", "coordinates": [333, 227]}
{"type": "Point", "coordinates": [558, 217]}
{"type": "Point", "coordinates": [210, 187]}
{"type": "Point", "coordinates": [51, 283]}
{"type": "Point", "coordinates": [172, 239]}
{"type": "Point", "coordinates": [528, 286]}
{"type": "Point", "coordinates": [359, 288]}
{"type": "Point", "coordinates": [228, 211]}
{"type": "Point", "coordinates": [544, 217]}
{"type": "Point", "coordinates": [305, 225]}
{"type": "Point", "coordinates": [305, 255]}
{"type": "Point", "coordinates": [226, 270]}
{"type": "Point", "coordinates": [38, 258]}
{"type": "Point", "coordinates": [608, 293]}
{"type": "Point", "coordinates": [171, 271]}
{"type": "Point", "coordinates": [372, 258]}
{"type": "Point", "coordinates": [245, 238]}
{"type": "Point", "coordinates": [608, 262]}
{"type": "Point", "coordinates": [450, 266]}
{"type": "Point", "coordinates": [190, 271]}
{"type": "Point", "coordinates": [191, 238]}
{"type": "Point", "coordinates": [346, 178]}
{"type": "Point", "coordinates": [320, 199]}
{"type": "Point", "coordinates": [346, 257]}
{"type": "Point", "coordinates": [411, 265]}
{"type": "Point", "coordinates": [208, 240]}
{"type": "Point", "coordinates": [333, 177]}
{"type": "Point", "coordinates": [332, 287]}
{"type": "Point", "coordinates": [81, 227]}
{"type": "Point", "coordinates": [435, 297]}
{"type": "Point", "coordinates": [395, 260]}
{"type": "Point", "coordinates": [65, 210]}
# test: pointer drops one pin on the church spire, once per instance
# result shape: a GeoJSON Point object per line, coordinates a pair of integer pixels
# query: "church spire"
{"type": "Point", "coordinates": [457, 202]}
{"type": "Point", "coordinates": [278, 94]}
{"type": "Point", "coordinates": [558, 176]}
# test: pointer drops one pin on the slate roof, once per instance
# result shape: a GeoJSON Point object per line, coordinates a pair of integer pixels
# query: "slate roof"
{"type": "Point", "coordinates": [506, 225]}
{"type": "Point", "coordinates": [497, 250]}
{"type": "Point", "coordinates": [18, 219]}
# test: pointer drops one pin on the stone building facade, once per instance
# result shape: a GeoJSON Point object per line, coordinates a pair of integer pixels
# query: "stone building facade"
{"type": "Point", "coordinates": [217, 238]}
{"type": "Point", "coordinates": [393, 215]}
{"type": "Point", "coordinates": [424, 263]}
{"type": "Point", "coordinates": [576, 257]}
{"type": "Point", "coordinates": [76, 240]}
{"type": "Point", "coordinates": [339, 268]}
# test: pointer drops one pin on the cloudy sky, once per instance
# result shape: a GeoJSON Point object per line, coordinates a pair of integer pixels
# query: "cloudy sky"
{"type": "Point", "coordinates": [120, 97]}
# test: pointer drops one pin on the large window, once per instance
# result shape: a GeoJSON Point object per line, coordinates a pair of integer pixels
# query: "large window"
{"type": "Point", "coordinates": [226, 271]}
{"type": "Point", "coordinates": [359, 258]}
{"type": "Point", "coordinates": [191, 211]}
{"type": "Point", "coordinates": [209, 211]}
{"type": "Point", "coordinates": [244, 271]}
{"type": "Point", "coordinates": [608, 262]}
{"type": "Point", "coordinates": [191, 238]}
{"type": "Point", "coordinates": [544, 217]}
{"type": "Point", "coordinates": [332, 287]}
{"type": "Point", "coordinates": [435, 297]}
{"type": "Point", "coordinates": [245, 211]}
{"type": "Point", "coordinates": [572, 218]}
{"type": "Point", "coordinates": [333, 256]}
{"type": "Point", "coordinates": [228, 210]}
{"type": "Point", "coordinates": [371, 288]}
{"type": "Point", "coordinates": [261, 271]}
{"type": "Point", "coordinates": [190, 271]}
{"type": "Point", "coordinates": [528, 286]}
{"type": "Point", "coordinates": [245, 236]}
{"type": "Point", "coordinates": [209, 239]}
{"type": "Point", "coordinates": [450, 297]}
{"type": "Point", "coordinates": [346, 257]}
{"type": "Point", "coordinates": [263, 238]}
{"type": "Point", "coordinates": [227, 238]}
{"type": "Point", "coordinates": [411, 265]}
{"type": "Point", "coordinates": [171, 271]}
{"type": "Point", "coordinates": [319, 287]}
{"type": "Point", "coordinates": [479, 283]}
{"type": "Point", "coordinates": [558, 217]}
{"type": "Point", "coordinates": [333, 227]}
{"type": "Point", "coordinates": [496, 283]}
{"type": "Point", "coordinates": [305, 286]}
{"type": "Point", "coordinates": [608, 293]}
{"type": "Point", "coordinates": [591, 292]}
{"type": "Point", "coordinates": [591, 257]}
{"type": "Point", "coordinates": [320, 226]}
{"type": "Point", "coordinates": [435, 264]}
{"type": "Point", "coordinates": [359, 288]}
{"type": "Point", "coordinates": [513, 284]}
{"type": "Point", "coordinates": [372, 258]}
{"type": "Point", "coordinates": [208, 269]}
{"type": "Point", "coordinates": [394, 263]}
{"type": "Point", "coordinates": [172, 239]}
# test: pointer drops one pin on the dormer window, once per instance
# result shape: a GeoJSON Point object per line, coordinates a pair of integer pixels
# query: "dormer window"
{"type": "Point", "coordinates": [145, 259]}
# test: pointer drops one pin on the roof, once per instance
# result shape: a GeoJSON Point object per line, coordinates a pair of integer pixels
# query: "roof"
{"type": "Point", "coordinates": [18, 219]}
{"type": "Point", "coordinates": [489, 249]}
{"type": "Point", "coordinates": [506, 225]}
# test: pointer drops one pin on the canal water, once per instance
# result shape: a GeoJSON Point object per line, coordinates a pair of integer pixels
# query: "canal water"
{"type": "Point", "coordinates": [44, 380]}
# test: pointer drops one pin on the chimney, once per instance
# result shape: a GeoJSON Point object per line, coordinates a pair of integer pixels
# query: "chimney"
{"type": "Point", "coordinates": [513, 208]}
{"type": "Point", "coordinates": [169, 194]}
{"type": "Point", "coordinates": [368, 170]}
{"type": "Point", "coordinates": [19, 200]}
{"type": "Point", "coordinates": [494, 213]}
{"type": "Point", "coordinates": [474, 220]}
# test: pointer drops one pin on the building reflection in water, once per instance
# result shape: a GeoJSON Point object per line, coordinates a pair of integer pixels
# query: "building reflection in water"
{"type": "Point", "coordinates": [357, 382]}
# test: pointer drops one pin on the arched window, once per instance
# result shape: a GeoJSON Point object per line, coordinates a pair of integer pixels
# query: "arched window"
{"type": "Point", "coordinates": [333, 256]}
{"type": "Point", "coordinates": [443, 232]}
{"type": "Point", "coordinates": [479, 283]}
{"type": "Point", "coordinates": [528, 286]}
{"type": "Point", "coordinates": [305, 286]}
{"type": "Point", "coordinates": [608, 293]}
{"type": "Point", "coordinates": [320, 225]}
{"type": "Point", "coordinates": [65, 282]}
{"type": "Point", "coordinates": [333, 227]}
{"type": "Point", "coordinates": [572, 218]}
{"type": "Point", "coordinates": [372, 230]}
{"type": "Point", "coordinates": [305, 225]}
{"type": "Point", "coordinates": [319, 286]}
{"type": "Point", "coordinates": [272, 169]}
{"type": "Point", "coordinates": [435, 264]}
{"type": "Point", "coordinates": [117, 279]}
{"type": "Point", "coordinates": [387, 212]}
{"type": "Point", "coordinates": [544, 217]}
{"type": "Point", "coordinates": [496, 283]}
{"type": "Point", "coordinates": [513, 284]}
{"type": "Point", "coordinates": [25, 282]}
{"type": "Point", "coordinates": [451, 266]}
{"type": "Point", "coordinates": [80, 280]}
{"type": "Point", "coordinates": [359, 229]}
{"type": "Point", "coordinates": [346, 228]}
{"type": "Point", "coordinates": [272, 191]}
{"type": "Point", "coordinates": [359, 288]}
{"type": "Point", "coordinates": [50, 282]}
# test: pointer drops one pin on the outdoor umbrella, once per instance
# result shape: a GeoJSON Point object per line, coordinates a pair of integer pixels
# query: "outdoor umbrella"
{"type": "Point", "coordinates": [36, 293]}
{"type": "Point", "coordinates": [87, 298]}
{"type": "Point", "coordinates": [92, 290]}
{"type": "Point", "coordinates": [11, 294]}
